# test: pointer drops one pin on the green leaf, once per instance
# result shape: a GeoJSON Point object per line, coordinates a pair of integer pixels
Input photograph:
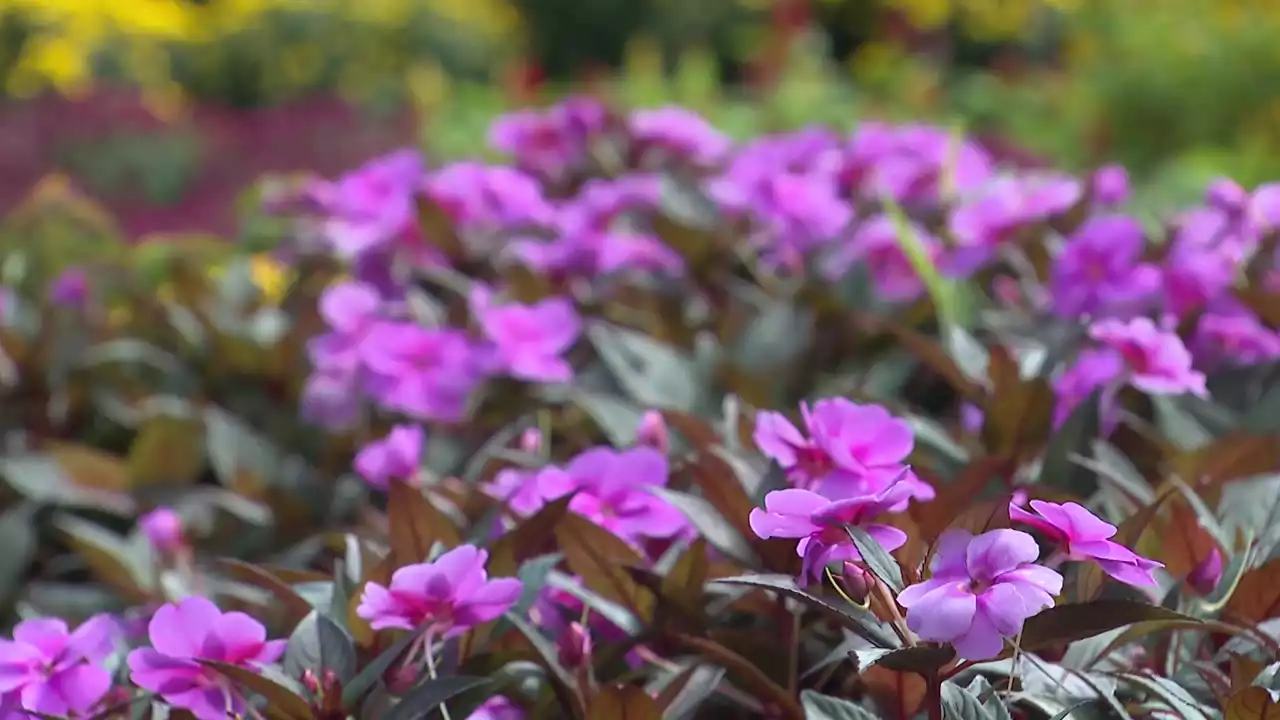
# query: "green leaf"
{"type": "Point", "coordinates": [876, 558]}
{"type": "Point", "coordinates": [922, 659]}
{"type": "Point", "coordinates": [319, 644]}
{"type": "Point", "coordinates": [654, 374]}
{"type": "Point", "coordinates": [825, 707]}
{"type": "Point", "coordinates": [284, 703]}
{"type": "Point", "coordinates": [858, 621]}
{"type": "Point", "coordinates": [1068, 623]}
{"type": "Point", "coordinates": [959, 704]}
{"type": "Point", "coordinates": [710, 524]}
{"type": "Point", "coordinates": [373, 672]}
{"type": "Point", "coordinates": [431, 695]}
{"type": "Point", "coordinates": [1058, 470]}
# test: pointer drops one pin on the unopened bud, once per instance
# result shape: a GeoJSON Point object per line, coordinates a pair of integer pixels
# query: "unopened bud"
{"type": "Point", "coordinates": [574, 647]}
{"type": "Point", "coordinates": [531, 440]}
{"type": "Point", "coordinates": [1226, 195]}
{"type": "Point", "coordinates": [854, 581]}
{"type": "Point", "coordinates": [653, 431]}
{"type": "Point", "coordinates": [1111, 186]}
{"type": "Point", "coordinates": [402, 678]}
{"type": "Point", "coordinates": [309, 681]}
{"type": "Point", "coordinates": [1205, 576]}
{"type": "Point", "coordinates": [163, 529]}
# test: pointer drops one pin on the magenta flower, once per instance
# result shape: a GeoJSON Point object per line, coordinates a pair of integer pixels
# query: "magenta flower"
{"type": "Point", "coordinates": [913, 164]}
{"type": "Point", "coordinates": [187, 632]}
{"type": "Point", "coordinates": [484, 197]}
{"type": "Point", "coordinates": [330, 398]}
{"type": "Point", "coordinates": [797, 210]}
{"type": "Point", "coordinates": [71, 288]}
{"type": "Point", "coordinates": [425, 373]}
{"type": "Point", "coordinates": [398, 456]}
{"type": "Point", "coordinates": [678, 133]}
{"type": "Point", "coordinates": [48, 669]}
{"type": "Point", "coordinates": [652, 431]}
{"type": "Point", "coordinates": [370, 206]}
{"type": "Point", "coordinates": [875, 244]}
{"type": "Point", "coordinates": [1158, 362]}
{"type": "Point", "coordinates": [1232, 335]}
{"type": "Point", "coordinates": [497, 708]}
{"type": "Point", "coordinates": [991, 216]}
{"type": "Point", "coordinates": [1205, 255]}
{"type": "Point", "coordinates": [851, 450]}
{"type": "Point", "coordinates": [1207, 573]}
{"type": "Point", "coordinates": [450, 594]}
{"type": "Point", "coordinates": [530, 340]}
{"type": "Point", "coordinates": [1081, 535]}
{"type": "Point", "coordinates": [163, 529]}
{"type": "Point", "coordinates": [981, 591]}
{"type": "Point", "coordinates": [612, 490]}
{"type": "Point", "coordinates": [1110, 186]}
{"type": "Point", "coordinates": [350, 310]}
{"type": "Point", "coordinates": [551, 143]}
{"type": "Point", "coordinates": [1093, 369]}
{"type": "Point", "coordinates": [526, 491]}
{"type": "Point", "coordinates": [1100, 271]}
{"type": "Point", "coordinates": [819, 524]}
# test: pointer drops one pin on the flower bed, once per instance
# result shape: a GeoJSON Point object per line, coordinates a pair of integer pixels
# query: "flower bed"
{"type": "Point", "coordinates": [649, 423]}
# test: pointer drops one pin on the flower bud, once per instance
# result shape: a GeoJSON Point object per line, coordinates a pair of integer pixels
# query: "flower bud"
{"type": "Point", "coordinates": [402, 678]}
{"type": "Point", "coordinates": [531, 440]}
{"type": "Point", "coordinates": [163, 529]}
{"type": "Point", "coordinates": [854, 581]}
{"type": "Point", "coordinates": [1226, 195]}
{"type": "Point", "coordinates": [309, 681]}
{"type": "Point", "coordinates": [574, 647]}
{"type": "Point", "coordinates": [1111, 186]}
{"type": "Point", "coordinates": [653, 431]}
{"type": "Point", "coordinates": [1206, 575]}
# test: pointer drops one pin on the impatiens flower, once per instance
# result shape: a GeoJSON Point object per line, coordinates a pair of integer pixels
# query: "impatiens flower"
{"type": "Point", "coordinates": [163, 529]}
{"type": "Point", "coordinates": [850, 450]}
{"type": "Point", "coordinates": [652, 431]}
{"type": "Point", "coordinates": [1234, 336]}
{"type": "Point", "coordinates": [368, 207]}
{"type": "Point", "coordinates": [1158, 362]}
{"type": "Point", "coordinates": [819, 524]}
{"type": "Point", "coordinates": [450, 595]}
{"type": "Point", "coordinates": [481, 197]}
{"type": "Point", "coordinates": [993, 214]}
{"type": "Point", "coordinates": [425, 373]}
{"type": "Point", "coordinates": [612, 490]}
{"type": "Point", "coordinates": [1081, 535]}
{"type": "Point", "coordinates": [1207, 573]}
{"type": "Point", "coordinates": [982, 589]}
{"type": "Point", "coordinates": [49, 669]}
{"type": "Point", "coordinates": [875, 245]}
{"type": "Point", "coordinates": [497, 708]}
{"type": "Point", "coordinates": [1204, 257]}
{"type": "Point", "coordinates": [1100, 271]}
{"type": "Point", "coordinates": [678, 133]}
{"type": "Point", "coordinates": [530, 340]}
{"type": "Point", "coordinates": [330, 398]}
{"type": "Point", "coordinates": [526, 491]}
{"type": "Point", "coordinates": [350, 310]}
{"type": "Point", "coordinates": [187, 632]}
{"type": "Point", "coordinates": [1093, 369]}
{"type": "Point", "coordinates": [1110, 186]}
{"type": "Point", "coordinates": [398, 456]}
{"type": "Point", "coordinates": [553, 142]}
{"type": "Point", "coordinates": [71, 288]}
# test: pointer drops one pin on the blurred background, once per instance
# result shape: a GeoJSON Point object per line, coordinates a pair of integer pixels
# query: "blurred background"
{"type": "Point", "coordinates": [166, 112]}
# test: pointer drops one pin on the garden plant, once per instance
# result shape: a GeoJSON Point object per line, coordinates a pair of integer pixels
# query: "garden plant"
{"type": "Point", "coordinates": [648, 423]}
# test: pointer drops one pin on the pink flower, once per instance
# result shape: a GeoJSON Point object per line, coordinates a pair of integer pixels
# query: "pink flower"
{"type": "Point", "coordinates": [612, 490]}
{"type": "Point", "coordinates": [398, 456]}
{"type": "Point", "coordinates": [497, 708]}
{"type": "Point", "coordinates": [371, 205]}
{"type": "Point", "coordinates": [819, 524]}
{"type": "Point", "coordinates": [187, 632]}
{"type": "Point", "coordinates": [679, 133]}
{"type": "Point", "coordinates": [1093, 369]}
{"type": "Point", "coordinates": [653, 431]}
{"type": "Point", "coordinates": [530, 340]}
{"type": "Point", "coordinates": [1158, 362]}
{"type": "Point", "coordinates": [1100, 271]}
{"type": "Point", "coordinates": [526, 491]}
{"type": "Point", "coordinates": [981, 591]}
{"type": "Point", "coordinates": [1234, 336]}
{"type": "Point", "coordinates": [50, 670]}
{"type": "Point", "coordinates": [1110, 184]}
{"type": "Point", "coordinates": [451, 594]}
{"type": "Point", "coordinates": [163, 529]}
{"type": "Point", "coordinates": [425, 373]}
{"type": "Point", "coordinates": [875, 244]}
{"type": "Point", "coordinates": [851, 449]}
{"type": "Point", "coordinates": [350, 309]}
{"type": "Point", "coordinates": [1081, 535]}
{"type": "Point", "coordinates": [487, 198]}
{"type": "Point", "coordinates": [1206, 575]}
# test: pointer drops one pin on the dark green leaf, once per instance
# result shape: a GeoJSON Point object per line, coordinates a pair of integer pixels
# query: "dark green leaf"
{"type": "Point", "coordinates": [858, 621]}
{"type": "Point", "coordinates": [319, 644]}
{"type": "Point", "coordinates": [284, 703]}
{"type": "Point", "coordinates": [922, 659]}
{"type": "Point", "coordinates": [371, 673]}
{"type": "Point", "coordinates": [654, 374]}
{"type": "Point", "coordinates": [710, 524]}
{"type": "Point", "coordinates": [876, 558]}
{"type": "Point", "coordinates": [825, 707]}
{"type": "Point", "coordinates": [958, 704]}
{"type": "Point", "coordinates": [431, 695]}
{"type": "Point", "coordinates": [1058, 471]}
{"type": "Point", "coordinates": [1068, 623]}
{"type": "Point", "coordinates": [561, 683]}
{"type": "Point", "coordinates": [18, 538]}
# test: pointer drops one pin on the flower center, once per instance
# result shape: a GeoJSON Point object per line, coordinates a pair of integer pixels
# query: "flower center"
{"type": "Point", "coordinates": [976, 586]}
{"type": "Point", "coordinates": [813, 463]}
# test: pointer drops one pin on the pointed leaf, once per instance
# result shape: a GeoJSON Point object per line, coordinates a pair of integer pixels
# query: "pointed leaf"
{"type": "Point", "coordinates": [625, 702]}
{"type": "Point", "coordinates": [599, 557]}
{"type": "Point", "coordinates": [959, 704]}
{"type": "Point", "coordinates": [282, 701]}
{"type": "Point", "coordinates": [430, 695]}
{"type": "Point", "coordinates": [922, 659]}
{"type": "Point", "coordinates": [876, 558]}
{"type": "Point", "coordinates": [858, 621]}
{"type": "Point", "coordinates": [319, 644]}
{"type": "Point", "coordinates": [710, 524]}
{"type": "Point", "coordinates": [1068, 623]}
{"type": "Point", "coordinates": [825, 707]}
{"type": "Point", "coordinates": [415, 525]}
{"type": "Point", "coordinates": [296, 607]}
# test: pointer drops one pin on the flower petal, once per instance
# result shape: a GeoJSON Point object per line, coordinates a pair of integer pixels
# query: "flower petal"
{"type": "Point", "coordinates": [997, 551]}
{"type": "Point", "coordinates": [942, 614]}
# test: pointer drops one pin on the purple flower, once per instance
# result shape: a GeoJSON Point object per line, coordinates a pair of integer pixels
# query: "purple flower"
{"type": "Point", "coordinates": [797, 210]}
{"type": "Point", "coordinates": [71, 288]}
{"type": "Point", "coordinates": [48, 669]}
{"type": "Point", "coordinates": [351, 310]}
{"type": "Point", "coordinates": [652, 431]}
{"type": "Point", "coordinates": [187, 632]}
{"type": "Point", "coordinates": [1157, 360]}
{"type": "Point", "coordinates": [524, 491]}
{"type": "Point", "coordinates": [820, 523]}
{"type": "Point", "coordinates": [981, 591]}
{"type": "Point", "coordinates": [486, 197]}
{"type": "Point", "coordinates": [1081, 535]}
{"type": "Point", "coordinates": [875, 244]}
{"type": "Point", "coordinates": [679, 133]}
{"type": "Point", "coordinates": [331, 398]}
{"type": "Point", "coordinates": [425, 373]}
{"type": "Point", "coordinates": [1207, 573]}
{"type": "Point", "coordinates": [991, 216]}
{"type": "Point", "coordinates": [851, 450]}
{"type": "Point", "coordinates": [452, 593]}
{"type": "Point", "coordinates": [371, 205]}
{"type": "Point", "coordinates": [1110, 186]}
{"type": "Point", "coordinates": [398, 456]}
{"type": "Point", "coordinates": [1226, 195]}
{"type": "Point", "coordinates": [551, 143]}
{"type": "Point", "coordinates": [163, 529]}
{"type": "Point", "coordinates": [1234, 336]}
{"type": "Point", "coordinates": [612, 490]}
{"type": "Point", "coordinates": [529, 340]}
{"type": "Point", "coordinates": [1100, 272]}
{"type": "Point", "coordinates": [1093, 369]}
{"type": "Point", "coordinates": [497, 707]}
{"type": "Point", "coordinates": [913, 164]}
{"type": "Point", "coordinates": [1204, 257]}
{"type": "Point", "coordinates": [1263, 211]}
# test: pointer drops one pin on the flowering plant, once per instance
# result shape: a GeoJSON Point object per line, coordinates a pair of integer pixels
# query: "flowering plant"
{"type": "Point", "coordinates": [606, 432]}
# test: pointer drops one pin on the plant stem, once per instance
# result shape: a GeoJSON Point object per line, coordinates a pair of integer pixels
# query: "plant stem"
{"type": "Point", "coordinates": [431, 671]}
{"type": "Point", "coordinates": [933, 698]}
